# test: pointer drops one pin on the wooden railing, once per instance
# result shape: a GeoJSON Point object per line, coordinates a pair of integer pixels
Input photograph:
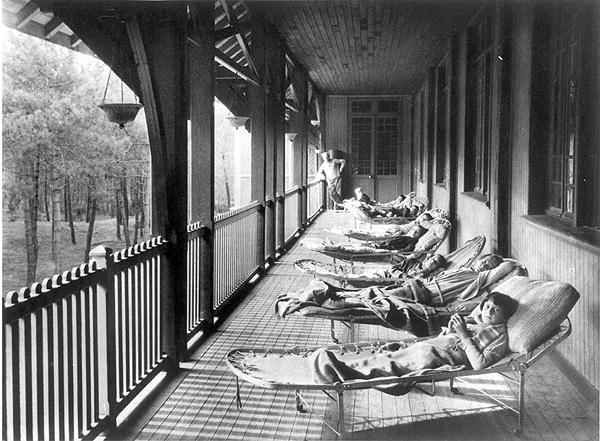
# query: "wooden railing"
{"type": "Point", "coordinates": [315, 197]}
{"type": "Point", "coordinates": [80, 347]}
{"type": "Point", "coordinates": [194, 318]}
{"type": "Point", "coordinates": [292, 212]}
{"type": "Point", "coordinates": [236, 245]}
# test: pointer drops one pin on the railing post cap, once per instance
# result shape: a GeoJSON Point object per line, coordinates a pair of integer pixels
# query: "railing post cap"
{"type": "Point", "coordinates": [99, 254]}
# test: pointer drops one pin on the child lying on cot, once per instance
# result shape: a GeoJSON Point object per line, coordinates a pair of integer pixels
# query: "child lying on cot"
{"type": "Point", "coordinates": [468, 343]}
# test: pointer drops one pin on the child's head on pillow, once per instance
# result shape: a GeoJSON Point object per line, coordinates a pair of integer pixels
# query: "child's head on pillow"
{"type": "Point", "coordinates": [496, 308]}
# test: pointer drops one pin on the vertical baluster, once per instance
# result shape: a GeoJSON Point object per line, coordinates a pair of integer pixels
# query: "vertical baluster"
{"type": "Point", "coordinates": [158, 305]}
{"type": "Point", "coordinates": [140, 323]}
{"type": "Point", "coordinates": [126, 294]}
{"type": "Point", "coordinates": [191, 304]}
{"type": "Point", "coordinates": [119, 305]}
{"type": "Point", "coordinates": [42, 367]}
{"type": "Point", "coordinates": [50, 327]}
{"type": "Point", "coordinates": [28, 373]}
{"type": "Point", "coordinates": [13, 337]}
{"type": "Point", "coordinates": [70, 337]}
{"type": "Point", "coordinates": [79, 333]}
{"type": "Point", "coordinates": [135, 326]}
{"type": "Point", "coordinates": [92, 335]}
{"type": "Point", "coordinates": [60, 368]}
{"type": "Point", "coordinates": [144, 321]}
{"type": "Point", "coordinates": [6, 375]}
{"type": "Point", "coordinates": [87, 343]}
{"type": "Point", "coordinates": [150, 294]}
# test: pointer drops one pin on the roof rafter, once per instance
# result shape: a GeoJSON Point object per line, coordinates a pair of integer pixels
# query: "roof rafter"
{"type": "Point", "coordinates": [231, 30]}
{"type": "Point", "coordinates": [26, 14]}
{"type": "Point", "coordinates": [52, 27]}
{"type": "Point", "coordinates": [241, 39]}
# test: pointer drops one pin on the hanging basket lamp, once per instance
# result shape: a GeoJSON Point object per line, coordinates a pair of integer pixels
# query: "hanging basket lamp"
{"type": "Point", "coordinates": [121, 113]}
{"type": "Point", "coordinates": [237, 121]}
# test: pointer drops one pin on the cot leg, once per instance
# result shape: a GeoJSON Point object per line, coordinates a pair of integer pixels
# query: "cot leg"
{"type": "Point", "coordinates": [299, 405]}
{"type": "Point", "coordinates": [333, 337]}
{"type": "Point", "coordinates": [519, 429]}
{"type": "Point", "coordinates": [453, 388]}
{"type": "Point", "coordinates": [341, 423]}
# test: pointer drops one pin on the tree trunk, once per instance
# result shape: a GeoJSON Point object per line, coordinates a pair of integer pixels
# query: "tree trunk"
{"type": "Point", "coordinates": [88, 204]}
{"type": "Point", "coordinates": [69, 210]}
{"type": "Point", "coordinates": [46, 209]}
{"type": "Point", "coordinates": [142, 209]}
{"type": "Point", "coordinates": [227, 191]}
{"type": "Point", "coordinates": [136, 227]}
{"type": "Point", "coordinates": [30, 216]}
{"type": "Point", "coordinates": [118, 213]}
{"type": "Point", "coordinates": [90, 232]}
{"type": "Point", "coordinates": [54, 230]}
{"type": "Point", "coordinates": [125, 211]}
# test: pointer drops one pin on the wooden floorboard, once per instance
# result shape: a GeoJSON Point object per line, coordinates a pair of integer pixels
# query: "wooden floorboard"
{"type": "Point", "coordinates": [200, 404]}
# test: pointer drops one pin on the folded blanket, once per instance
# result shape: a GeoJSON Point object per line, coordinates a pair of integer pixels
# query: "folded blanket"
{"type": "Point", "coordinates": [400, 359]}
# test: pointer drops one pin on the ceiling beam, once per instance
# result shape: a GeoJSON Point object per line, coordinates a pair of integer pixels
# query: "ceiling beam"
{"type": "Point", "coordinates": [75, 41]}
{"type": "Point", "coordinates": [231, 65]}
{"type": "Point", "coordinates": [231, 30]}
{"type": "Point", "coordinates": [52, 27]}
{"type": "Point", "coordinates": [240, 37]}
{"type": "Point", "coordinates": [26, 14]}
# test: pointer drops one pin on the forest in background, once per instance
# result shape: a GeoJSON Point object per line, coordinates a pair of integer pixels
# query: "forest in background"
{"type": "Point", "coordinates": [70, 178]}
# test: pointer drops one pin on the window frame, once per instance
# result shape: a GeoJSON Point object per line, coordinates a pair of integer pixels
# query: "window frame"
{"type": "Point", "coordinates": [482, 38]}
{"type": "Point", "coordinates": [375, 115]}
{"type": "Point", "coordinates": [565, 77]}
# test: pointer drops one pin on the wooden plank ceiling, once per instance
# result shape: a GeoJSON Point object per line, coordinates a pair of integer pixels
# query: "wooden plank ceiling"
{"type": "Point", "coordinates": [370, 47]}
{"type": "Point", "coordinates": [349, 47]}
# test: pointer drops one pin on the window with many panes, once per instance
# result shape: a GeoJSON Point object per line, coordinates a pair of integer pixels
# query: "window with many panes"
{"type": "Point", "coordinates": [563, 142]}
{"type": "Point", "coordinates": [375, 127]}
{"type": "Point", "coordinates": [479, 103]}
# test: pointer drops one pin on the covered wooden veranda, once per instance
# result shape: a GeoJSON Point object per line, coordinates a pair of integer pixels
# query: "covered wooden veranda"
{"type": "Point", "coordinates": [454, 100]}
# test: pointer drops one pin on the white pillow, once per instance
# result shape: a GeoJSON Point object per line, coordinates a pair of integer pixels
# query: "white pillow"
{"type": "Point", "coordinates": [543, 306]}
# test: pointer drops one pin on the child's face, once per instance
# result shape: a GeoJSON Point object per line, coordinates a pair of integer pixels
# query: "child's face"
{"type": "Point", "coordinates": [491, 314]}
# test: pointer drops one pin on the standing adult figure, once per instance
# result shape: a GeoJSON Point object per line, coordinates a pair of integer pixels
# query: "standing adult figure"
{"type": "Point", "coordinates": [331, 172]}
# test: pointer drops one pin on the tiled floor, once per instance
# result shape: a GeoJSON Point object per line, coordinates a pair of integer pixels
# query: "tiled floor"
{"type": "Point", "coordinates": [201, 404]}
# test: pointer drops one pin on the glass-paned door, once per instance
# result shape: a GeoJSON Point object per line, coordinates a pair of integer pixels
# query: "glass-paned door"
{"type": "Point", "coordinates": [375, 155]}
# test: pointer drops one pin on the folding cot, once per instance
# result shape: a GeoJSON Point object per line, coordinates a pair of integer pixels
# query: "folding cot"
{"type": "Point", "coordinates": [463, 256]}
{"type": "Point", "coordinates": [425, 246]}
{"type": "Point", "coordinates": [537, 327]}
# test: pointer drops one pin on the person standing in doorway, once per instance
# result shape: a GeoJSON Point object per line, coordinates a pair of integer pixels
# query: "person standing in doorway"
{"type": "Point", "coordinates": [331, 172]}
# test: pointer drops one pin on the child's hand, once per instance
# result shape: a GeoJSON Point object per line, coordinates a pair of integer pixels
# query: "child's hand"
{"type": "Point", "coordinates": [458, 325]}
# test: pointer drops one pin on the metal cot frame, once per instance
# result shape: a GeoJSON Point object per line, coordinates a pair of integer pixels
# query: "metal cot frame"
{"type": "Point", "coordinates": [512, 363]}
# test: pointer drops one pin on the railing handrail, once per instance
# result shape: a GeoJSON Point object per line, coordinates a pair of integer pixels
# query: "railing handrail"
{"type": "Point", "coordinates": [237, 211]}
{"type": "Point", "coordinates": [45, 293]}
{"type": "Point", "coordinates": [291, 191]}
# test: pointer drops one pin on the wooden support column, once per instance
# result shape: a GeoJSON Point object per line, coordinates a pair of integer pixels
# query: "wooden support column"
{"type": "Point", "coordinates": [270, 142]}
{"type": "Point", "coordinates": [157, 38]}
{"type": "Point", "coordinates": [202, 150]}
{"type": "Point", "coordinates": [256, 101]}
{"type": "Point", "coordinates": [322, 130]}
{"type": "Point", "coordinates": [300, 82]}
{"type": "Point", "coordinates": [280, 145]}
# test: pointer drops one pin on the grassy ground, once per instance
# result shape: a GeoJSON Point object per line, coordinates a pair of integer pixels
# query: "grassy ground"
{"type": "Point", "coordinates": [14, 255]}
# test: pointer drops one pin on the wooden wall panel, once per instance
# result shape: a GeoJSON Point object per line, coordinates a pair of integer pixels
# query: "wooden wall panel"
{"type": "Point", "coordinates": [336, 131]}
{"type": "Point", "coordinates": [547, 254]}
